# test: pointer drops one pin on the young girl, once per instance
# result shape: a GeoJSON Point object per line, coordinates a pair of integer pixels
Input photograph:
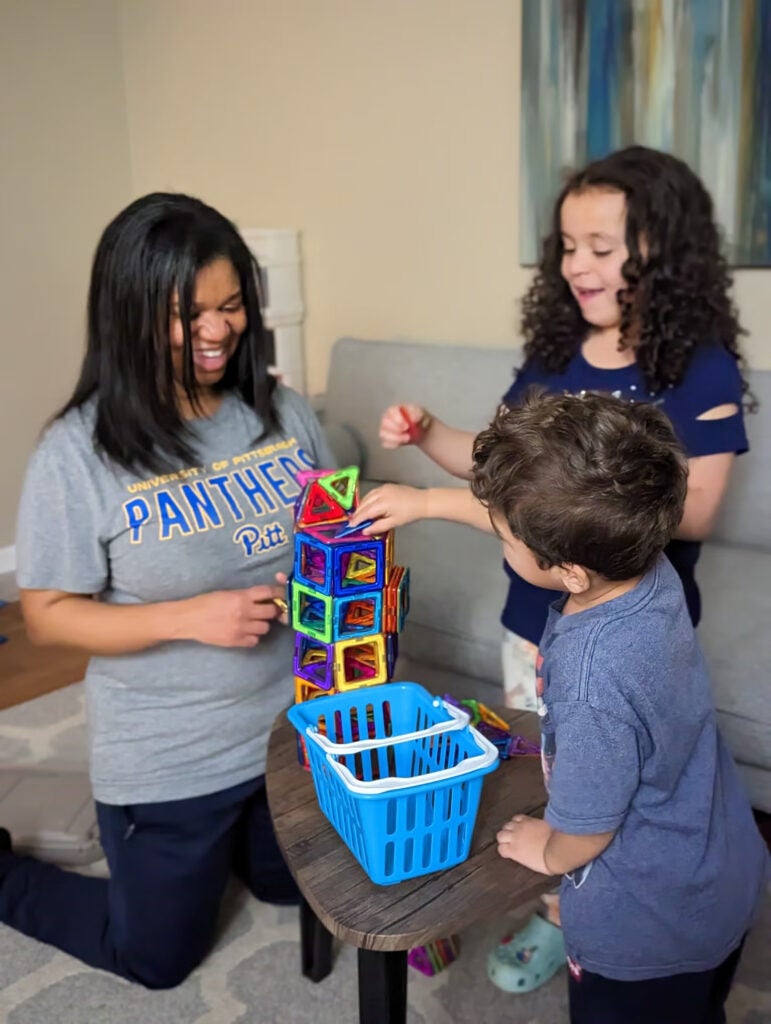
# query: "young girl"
{"type": "Point", "coordinates": [631, 297]}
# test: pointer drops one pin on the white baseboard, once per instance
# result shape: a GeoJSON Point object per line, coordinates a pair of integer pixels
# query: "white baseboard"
{"type": "Point", "coordinates": [8, 559]}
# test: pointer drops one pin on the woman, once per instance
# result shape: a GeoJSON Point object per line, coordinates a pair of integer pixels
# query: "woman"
{"type": "Point", "coordinates": [155, 517]}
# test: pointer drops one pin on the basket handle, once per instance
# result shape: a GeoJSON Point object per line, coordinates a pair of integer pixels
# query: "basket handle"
{"type": "Point", "coordinates": [458, 720]}
{"type": "Point", "coordinates": [483, 760]}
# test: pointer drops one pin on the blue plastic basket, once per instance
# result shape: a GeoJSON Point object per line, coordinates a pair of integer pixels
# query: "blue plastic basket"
{"type": "Point", "coordinates": [398, 773]}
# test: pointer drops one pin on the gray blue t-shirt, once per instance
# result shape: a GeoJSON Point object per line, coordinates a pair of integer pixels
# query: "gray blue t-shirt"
{"type": "Point", "coordinates": [181, 719]}
{"type": "Point", "coordinates": [630, 744]}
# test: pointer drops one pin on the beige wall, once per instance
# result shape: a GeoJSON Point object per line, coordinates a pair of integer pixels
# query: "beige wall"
{"type": "Point", "coordinates": [386, 130]}
{"type": "Point", "coordinates": [63, 172]}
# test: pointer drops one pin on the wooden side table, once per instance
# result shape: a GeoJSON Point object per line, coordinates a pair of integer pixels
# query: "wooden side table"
{"type": "Point", "coordinates": [383, 922]}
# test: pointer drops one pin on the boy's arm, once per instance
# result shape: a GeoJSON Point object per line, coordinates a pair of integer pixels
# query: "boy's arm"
{"type": "Point", "coordinates": [595, 760]}
{"type": "Point", "coordinates": [535, 844]}
{"type": "Point", "coordinates": [395, 505]}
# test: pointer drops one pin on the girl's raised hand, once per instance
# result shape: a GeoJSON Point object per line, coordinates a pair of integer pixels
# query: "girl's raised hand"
{"type": "Point", "coordinates": [390, 506]}
{"type": "Point", "coordinates": [400, 425]}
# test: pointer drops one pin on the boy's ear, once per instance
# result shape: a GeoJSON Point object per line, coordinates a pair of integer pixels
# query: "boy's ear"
{"type": "Point", "coordinates": [574, 578]}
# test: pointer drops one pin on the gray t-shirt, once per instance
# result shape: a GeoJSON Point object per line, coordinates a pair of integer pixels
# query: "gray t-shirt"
{"type": "Point", "coordinates": [630, 744]}
{"type": "Point", "coordinates": [181, 719]}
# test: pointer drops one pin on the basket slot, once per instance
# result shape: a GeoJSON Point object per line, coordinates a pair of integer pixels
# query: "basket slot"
{"type": "Point", "coordinates": [444, 845]}
{"type": "Point", "coordinates": [435, 754]}
{"type": "Point", "coordinates": [426, 851]}
{"type": "Point", "coordinates": [341, 807]}
{"type": "Point", "coordinates": [404, 759]}
{"type": "Point", "coordinates": [357, 725]}
{"type": "Point", "coordinates": [408, 856]}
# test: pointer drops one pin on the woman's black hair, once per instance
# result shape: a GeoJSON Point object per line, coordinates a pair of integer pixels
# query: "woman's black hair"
{"type": "Point", "coordinates": [151, 251]}
{"type": "Point", "coordinates": [678, 284]}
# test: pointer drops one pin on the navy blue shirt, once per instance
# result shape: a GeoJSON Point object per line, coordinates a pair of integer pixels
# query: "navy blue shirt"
{"type": "Point", "coordinates": [711, 379]}
{"type": "Point", "coordinates": [630, 745]}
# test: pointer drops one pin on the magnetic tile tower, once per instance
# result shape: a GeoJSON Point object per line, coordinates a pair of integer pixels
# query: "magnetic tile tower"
{"type": "Point", "coordinates": [348, 601]}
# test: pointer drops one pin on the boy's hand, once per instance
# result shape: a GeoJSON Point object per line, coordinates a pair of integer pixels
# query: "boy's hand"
{"type": "Point", "coordinates": [390, 506]}
{"type": "Point", "coordinates": [401, 425]}
{"type": "Point", "coordinates": [524, 840]}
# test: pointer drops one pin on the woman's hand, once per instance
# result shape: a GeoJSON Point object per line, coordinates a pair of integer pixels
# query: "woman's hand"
{"type": "Point", "coordinates": [401, 425]}
{"type": "Point", "coordinates": [390, 506]}
{"type": "Point", "coordinates": [233, 618]}
{"type": "Point", "coordinates": [281, 602]}
{"type": "Point", "coordinates": [223, 618]}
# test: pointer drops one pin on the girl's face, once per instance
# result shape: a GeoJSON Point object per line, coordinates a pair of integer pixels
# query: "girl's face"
{"type": "Point", "coordinates": [593, 225]}
{"type": "Point", "coordinates": [218, 319]}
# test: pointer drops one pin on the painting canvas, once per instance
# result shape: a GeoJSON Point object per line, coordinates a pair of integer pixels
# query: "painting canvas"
{"type": "Point", "coordinates": [692, 77]}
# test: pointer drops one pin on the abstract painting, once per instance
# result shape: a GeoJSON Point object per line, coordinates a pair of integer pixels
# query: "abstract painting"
{"type": "Point", "coordinates": [692, 77]}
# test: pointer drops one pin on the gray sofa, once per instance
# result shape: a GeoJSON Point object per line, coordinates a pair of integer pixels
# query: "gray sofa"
{"type": "Point", "coordinates": [452, 639]}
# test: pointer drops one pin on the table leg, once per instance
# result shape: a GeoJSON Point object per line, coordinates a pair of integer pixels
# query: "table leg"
{"type": "Point", "coordinates": [316, 944]}
{"type": "Point", "coordinates": [382, 987]}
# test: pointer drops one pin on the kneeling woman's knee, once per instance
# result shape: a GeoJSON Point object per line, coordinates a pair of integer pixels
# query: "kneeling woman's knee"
{"type": "Point", "coordinates": [164, 979]}
{"type": "Point", "coordinates": [160, 973]}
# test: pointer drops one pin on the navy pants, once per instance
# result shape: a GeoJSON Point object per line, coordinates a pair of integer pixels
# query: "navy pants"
{"type": "Point", "coordinates": [697, 998]}
{"type": "Point", "coordinates": [153, 921]}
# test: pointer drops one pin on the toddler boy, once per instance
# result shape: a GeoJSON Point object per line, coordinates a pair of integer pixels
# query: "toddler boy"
{"type": "Point", "coordinates": [647, 819]}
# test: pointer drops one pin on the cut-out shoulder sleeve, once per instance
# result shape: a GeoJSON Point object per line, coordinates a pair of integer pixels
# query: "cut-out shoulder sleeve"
{"type": "Point", "coordinates": [712, 380]}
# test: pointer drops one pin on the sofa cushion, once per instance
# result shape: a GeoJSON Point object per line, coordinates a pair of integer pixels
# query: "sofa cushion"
{"type": "Point", "coordinates": [344, 444]}
{"type": "Point", "coordinates": [734, 633]}
{"type": "Point", "coordinates": [440, 681]}
{"type": "Point", "coordinates": [457, 591]}
{"type": "Point", "coordinates": [757, 782]}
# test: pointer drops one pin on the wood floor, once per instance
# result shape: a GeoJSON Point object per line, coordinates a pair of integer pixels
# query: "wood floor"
{"type": "Point", "coordinates": [27, 671]}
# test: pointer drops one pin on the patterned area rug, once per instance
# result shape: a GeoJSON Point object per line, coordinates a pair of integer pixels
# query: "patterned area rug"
{"type": "Point", "coordinates": [253, 974]}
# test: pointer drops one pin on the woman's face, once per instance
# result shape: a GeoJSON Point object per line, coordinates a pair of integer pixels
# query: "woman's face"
{"type": "Point", "coordinates": [593, 225]}
{"type": "Point", "coordinates": [217, 321]}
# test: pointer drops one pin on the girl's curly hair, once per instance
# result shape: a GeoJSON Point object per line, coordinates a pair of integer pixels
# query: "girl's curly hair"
{"type": "Point", "coordinates": [677, 295]}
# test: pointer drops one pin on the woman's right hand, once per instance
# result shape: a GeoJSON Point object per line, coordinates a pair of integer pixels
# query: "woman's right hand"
{"type": "Point", "coordinates": [395, 429]}
{"type": "Point", "coordinates": [232, 618]}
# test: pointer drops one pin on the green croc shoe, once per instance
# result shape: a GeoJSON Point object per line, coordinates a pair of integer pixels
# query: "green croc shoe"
{"type": "Point", "coordinates": [523, 962]}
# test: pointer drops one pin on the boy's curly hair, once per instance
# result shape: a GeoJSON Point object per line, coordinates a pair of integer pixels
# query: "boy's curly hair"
{"type": "Point", "coordinates": [681, 283]}
{"type": "Point", "coordinates": [587, 480]}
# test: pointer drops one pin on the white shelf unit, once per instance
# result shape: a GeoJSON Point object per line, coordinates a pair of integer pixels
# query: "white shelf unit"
{"type": "Point", "coordinates": [277, 250]}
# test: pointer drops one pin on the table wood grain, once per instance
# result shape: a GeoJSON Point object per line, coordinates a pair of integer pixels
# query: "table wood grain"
{"type": "Point", "coordinates": [410, 913]}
